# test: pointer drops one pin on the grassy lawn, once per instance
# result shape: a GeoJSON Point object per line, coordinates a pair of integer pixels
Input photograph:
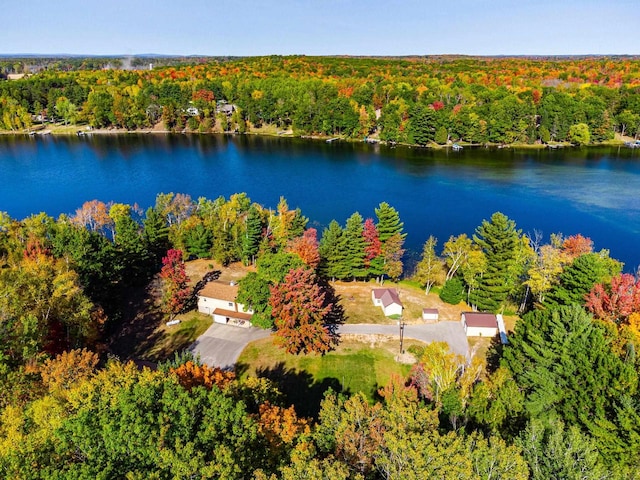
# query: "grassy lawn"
{"type": "Point", "coordinates": [355, 298]}
{"type": "Point", "coordinates": [353, 367]}
{"type": "Point", "coordinates": [175, 338]}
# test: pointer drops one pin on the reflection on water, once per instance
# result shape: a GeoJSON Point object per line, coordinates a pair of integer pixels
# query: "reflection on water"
{"type": "Point", "coordinates": [439, 192]}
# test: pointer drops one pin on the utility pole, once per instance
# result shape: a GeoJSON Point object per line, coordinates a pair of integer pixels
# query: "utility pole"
{"type": "Point", "coordinates": [401, 325]}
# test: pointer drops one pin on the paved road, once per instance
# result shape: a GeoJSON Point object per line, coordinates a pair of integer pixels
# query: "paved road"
{"type": "Point", "coordinates": [450, 332]}
{"type": "Point", "coordinates": [221, 345]}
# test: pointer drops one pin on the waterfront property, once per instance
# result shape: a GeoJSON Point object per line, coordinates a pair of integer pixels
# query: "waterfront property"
{"type": "Point", "coordinates": [388, 299]}
{"type": "Point", "coordinates": [218, 299]}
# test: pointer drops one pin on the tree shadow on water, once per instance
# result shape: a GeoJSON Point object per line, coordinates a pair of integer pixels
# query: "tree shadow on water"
{"type": "Point", "coordinates": [300, 388]}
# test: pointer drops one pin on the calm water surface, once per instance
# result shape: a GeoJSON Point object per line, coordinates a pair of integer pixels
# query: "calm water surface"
{"type": "Point", "coordinates": [595, 192]}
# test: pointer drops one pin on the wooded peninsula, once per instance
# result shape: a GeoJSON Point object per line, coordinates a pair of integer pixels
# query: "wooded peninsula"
{"type": "Point", "coordinates": [560, 400]}
{"type": "Point", "coordinates": [417, 101]}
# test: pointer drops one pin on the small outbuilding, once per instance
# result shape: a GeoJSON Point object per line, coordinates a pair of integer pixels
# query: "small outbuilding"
{"type": "Point", "coordinates": [388, 299]}
{"type": "Point", "coordinates": [430, 314]}
{"type": "Point", "coordinates": [479, 324]}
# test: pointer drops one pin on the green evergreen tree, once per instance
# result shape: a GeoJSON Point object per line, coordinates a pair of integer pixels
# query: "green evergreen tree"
{"type": "Point", "coordinates": [252, 236]}
{"type": "Point", "coordinates": [498, 240]}
{"type": "Point", "coordinates": [579, 278]}
{"type": "Point", "coordinates": [333, 252]}
{"type": "Point", "coordinates": [156, 234]}
{"type": "Point", "coordinates": [355, 245]}
{"type": "Point", "coordinates": [442, 135]}
{"type": "Point", "coordinates": [556, 451]}
{"type": "Point", "coordinates": [571, 368]}
{"type": "Point", "coordinates": [199, 241]}
{"type": "Point", "coordinates": [421, 124]}
{"type": "Point", "coordinates": [388, 222]}
{"type": "Point", "coordinates": [452, 291]}
{"type": "Point", "coordinates": [132, 252]}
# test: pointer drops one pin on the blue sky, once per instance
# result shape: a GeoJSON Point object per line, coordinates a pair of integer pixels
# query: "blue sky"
{"type": "Point", "coordinates": [329, 27]}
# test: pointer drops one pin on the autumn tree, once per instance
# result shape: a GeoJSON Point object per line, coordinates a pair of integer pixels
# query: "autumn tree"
{"type": "Point", "coordinates": [176, 290]}
{"type": "Point", "coordinates": [94, 215]}
{"type": "Point", "coordinates": [299, 310]}
{"type": "Point", "coordinates": [306, 247]}
{"type": "Point", "coordinates": [373, 260]}
{"type": "Point", "coordinates": [287, 224]}
{"type": "Point", "coordinates": [174, 207]}
{"type": "Point", "coordinates": [282, 428]}
{"type": "Point", "coordinates": [392, 252]}
{"type": "Point", "coordinates": [544, 271]}
{"type": "Point", "coordinates": [615, 301]}
{"type": "Point", "coordinates": [43, 307]}
{"type": "Point", "coordinates": [67, 369]}
{"type": "Point", "coordinates": [191, 375]}
{"type": "Point", "coordinates": [456, 252]}
{"type": "Point", "coordinates": [430, 269]}
{"type": "Point", "coordinates": [577, 245]}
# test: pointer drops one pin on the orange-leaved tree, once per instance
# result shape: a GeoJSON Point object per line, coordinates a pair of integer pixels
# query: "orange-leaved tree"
{"type": "Point", "coordinates": [299, 309]}
{"type": "Point", "coordinates": [192, 375]}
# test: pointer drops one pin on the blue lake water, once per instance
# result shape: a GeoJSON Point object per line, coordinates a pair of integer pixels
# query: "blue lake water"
{"type": "Point", "coordinates": [595, 192]}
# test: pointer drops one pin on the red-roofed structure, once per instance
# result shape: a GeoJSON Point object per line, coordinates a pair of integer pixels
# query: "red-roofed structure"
{"type": "Point", "coordinates": [388, 299]}
{"type": "Point", "coordinates": [479, 324]}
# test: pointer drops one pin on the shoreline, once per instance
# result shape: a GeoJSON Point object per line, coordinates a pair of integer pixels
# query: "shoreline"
{"type": "Point", "coordinates": [64, 131]}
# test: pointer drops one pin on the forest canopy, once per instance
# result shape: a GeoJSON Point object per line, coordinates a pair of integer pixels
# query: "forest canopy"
{"type": "Point", "coordinates": [421, 100]}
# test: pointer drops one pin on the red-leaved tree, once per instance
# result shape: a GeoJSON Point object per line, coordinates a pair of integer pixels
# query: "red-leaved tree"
{"type": "Point", "coordinates": [299, 309]}
{"type": "Point", "coordinates": [617, 301]}
{"type": "Point", "coordinates": [373, 246]}
{"type": "Point", "coordinates": [176, 291]}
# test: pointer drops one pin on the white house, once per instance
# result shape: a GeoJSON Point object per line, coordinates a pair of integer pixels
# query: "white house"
{"type": "Point", "coordinates": [388, 299]}
{"type": "Point", "coordinates": [477, 324]}
{"type": "Point", "coordinates": [218, 299]}
{"type": "Point", "coordinates": [430, 314]}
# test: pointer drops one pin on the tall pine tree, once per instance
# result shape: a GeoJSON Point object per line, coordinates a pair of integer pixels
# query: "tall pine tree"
{"type": "Point", "coordinates": [388, 222]}
{"type": "Point", "coordinates": [332, 252]}
{"type": "Point", "coordinates": [355, 246]}
{"type": "Point", "coordinates": [498, 240]}
{"type": "Point", "coordinates": [392, 238]}
{"type": "Point", "coordinates": [252, 236]}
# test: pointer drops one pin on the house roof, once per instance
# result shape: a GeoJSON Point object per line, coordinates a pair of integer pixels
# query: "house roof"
{"type": "Point", "coordinates": [220, 291]}
{"type": "Point", "coordinates": [231, 314]}
{"type": "Point", "coordinates": [430, 310]}
{"type": "Point", "coordinates": [478, 319]}
{"type": "Point", "coordinates": [388, 296]}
